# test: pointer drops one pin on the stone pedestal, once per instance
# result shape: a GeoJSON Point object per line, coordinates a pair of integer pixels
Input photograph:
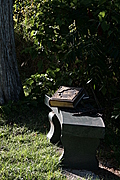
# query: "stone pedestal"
{"type": "Point", "coordinates": [80, 136]}
{"type": "Point", "coordinates": [79, 153]}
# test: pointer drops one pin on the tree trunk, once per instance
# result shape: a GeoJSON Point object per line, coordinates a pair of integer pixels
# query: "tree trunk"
{"type": "Point", "coordinates": [10, 84]}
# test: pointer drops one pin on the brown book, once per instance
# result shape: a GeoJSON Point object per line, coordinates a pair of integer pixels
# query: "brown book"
{"type": "Point", "coordinates": [67, 97]}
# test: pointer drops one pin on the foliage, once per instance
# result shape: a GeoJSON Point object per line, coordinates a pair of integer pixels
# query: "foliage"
{"type": "Point", "coordinates": [37, 86]}
{"type": "Point", "coordinates": [79, 40]}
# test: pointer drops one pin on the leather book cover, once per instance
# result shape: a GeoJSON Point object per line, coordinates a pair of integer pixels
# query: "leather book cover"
{"type": "Point", "coordinates": [66, 97]}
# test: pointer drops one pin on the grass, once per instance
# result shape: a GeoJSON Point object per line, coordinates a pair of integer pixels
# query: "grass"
{"type": "Point", "coordinates": [25, 152]}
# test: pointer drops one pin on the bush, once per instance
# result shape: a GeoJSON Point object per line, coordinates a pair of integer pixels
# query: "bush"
{"type": "Point", "coordinates": [78, 39]}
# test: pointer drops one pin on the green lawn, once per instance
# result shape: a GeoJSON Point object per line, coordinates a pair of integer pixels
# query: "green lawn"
{"type": "Point", "coordinates": [25, 152]}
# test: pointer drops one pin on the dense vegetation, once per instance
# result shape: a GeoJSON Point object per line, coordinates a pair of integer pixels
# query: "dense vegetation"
{"type": "Point", "coordinates": [74, 43]}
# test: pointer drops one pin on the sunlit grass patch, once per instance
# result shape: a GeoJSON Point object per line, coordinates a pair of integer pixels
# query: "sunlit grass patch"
{"type": "Point", "coordinates": [26, 154]}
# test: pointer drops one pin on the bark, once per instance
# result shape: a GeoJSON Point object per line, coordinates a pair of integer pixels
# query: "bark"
{"type": "Point", "coordinates": [10, 84]}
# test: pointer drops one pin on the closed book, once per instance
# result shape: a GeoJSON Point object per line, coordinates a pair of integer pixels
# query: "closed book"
{"type": "Point", "coordinates": [67, 97]}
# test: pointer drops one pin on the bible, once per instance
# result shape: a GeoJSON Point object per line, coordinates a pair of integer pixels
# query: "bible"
{"type": "Point", "coordinates": [67, 97]}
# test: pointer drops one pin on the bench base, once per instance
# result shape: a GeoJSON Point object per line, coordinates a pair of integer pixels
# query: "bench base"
{"type": "Point", "coordinates": [79, 153]}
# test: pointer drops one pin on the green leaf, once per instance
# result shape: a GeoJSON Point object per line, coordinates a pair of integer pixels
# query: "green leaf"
{"type": "Point", "coordinates": [110, 32]}
{"type": "Point", "coordinates": [115, 19]}
{"type": "Point", "coordinates": [105, 26]}
{"type": "Point", "coordinates": [101, 15]}
{"type": "Point", "coordinates": [86, 2]}
{"type": "Point", "coordinates": [101, 2]}
{"type": "Point", "coordinates": [40, 66]}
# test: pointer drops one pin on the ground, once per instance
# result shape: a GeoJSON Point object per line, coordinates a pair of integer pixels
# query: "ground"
{"type": "Point", "coordinates": [105, 171]}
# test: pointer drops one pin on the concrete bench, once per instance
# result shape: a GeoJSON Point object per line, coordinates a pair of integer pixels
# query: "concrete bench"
{"type": "Point", "coordinates": [80, 136]}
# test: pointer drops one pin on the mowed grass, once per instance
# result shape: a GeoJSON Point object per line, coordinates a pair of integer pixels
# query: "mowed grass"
{"type": "Point", "coordinates": [25, 152]}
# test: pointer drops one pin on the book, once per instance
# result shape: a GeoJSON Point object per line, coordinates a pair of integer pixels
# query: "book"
{"type": "Point", "coordinates": [67, 97]}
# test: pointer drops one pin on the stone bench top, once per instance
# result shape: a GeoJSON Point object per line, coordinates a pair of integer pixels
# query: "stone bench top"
{"type": "Point", "coordinates": [81, 123]}
{"type": "Point", "coordinates": [70, 118]}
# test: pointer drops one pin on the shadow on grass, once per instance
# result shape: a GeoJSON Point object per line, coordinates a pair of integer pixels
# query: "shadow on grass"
{"type": "Point", "coordinates": [32, 114]}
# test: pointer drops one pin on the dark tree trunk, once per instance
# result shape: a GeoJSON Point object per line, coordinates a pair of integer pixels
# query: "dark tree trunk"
{"type": "Point", "coordinates": [10, 84]}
